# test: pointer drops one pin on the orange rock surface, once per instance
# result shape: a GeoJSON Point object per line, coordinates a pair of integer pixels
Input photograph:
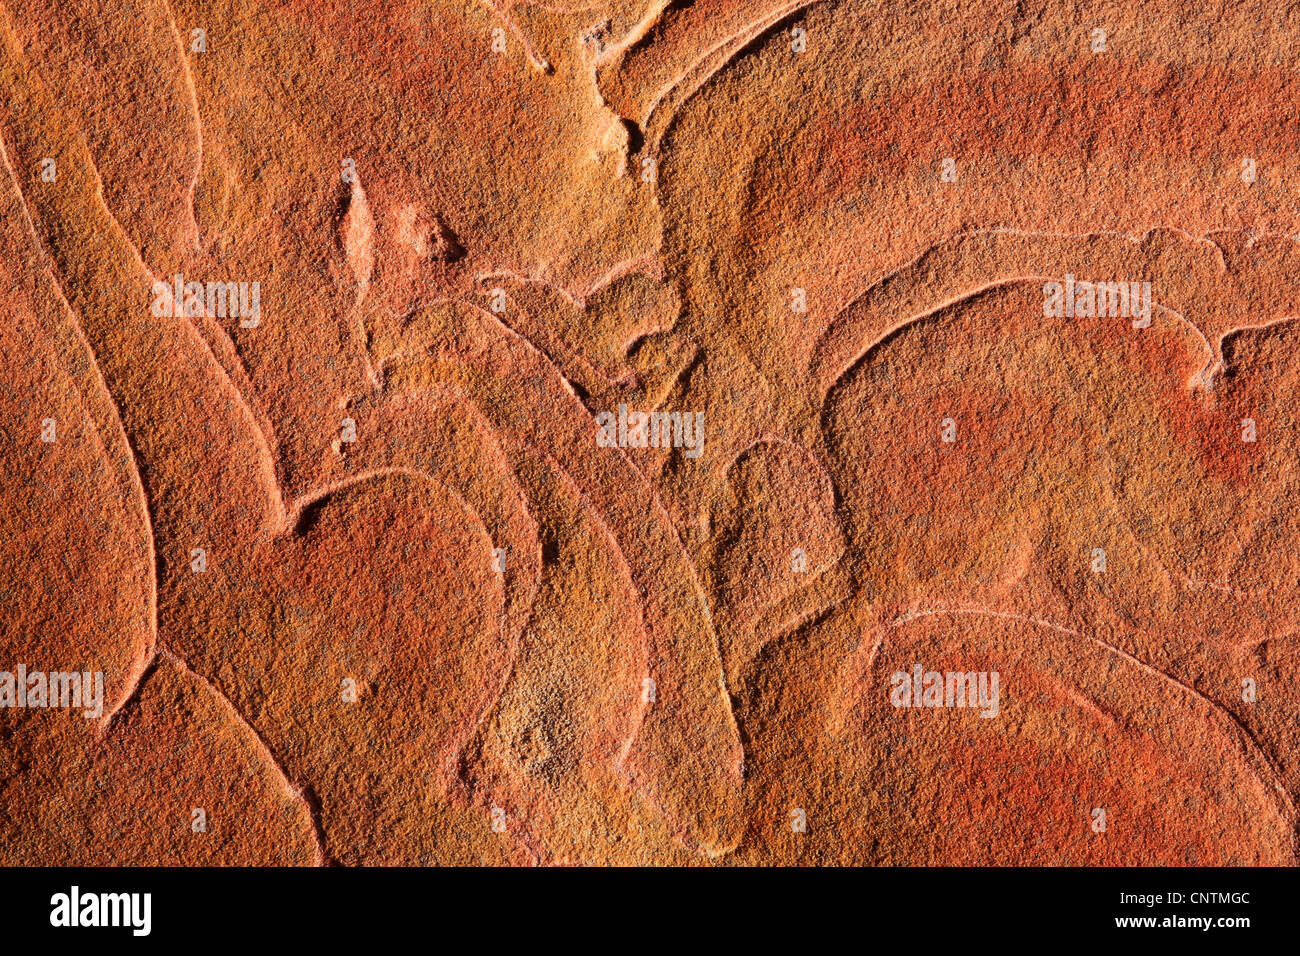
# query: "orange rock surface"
{"type": "Point", "coordinates": [378, 568]}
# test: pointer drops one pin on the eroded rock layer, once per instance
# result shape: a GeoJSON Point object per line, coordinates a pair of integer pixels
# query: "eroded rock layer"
{"type": "Point", "coordinates": [740, 432]}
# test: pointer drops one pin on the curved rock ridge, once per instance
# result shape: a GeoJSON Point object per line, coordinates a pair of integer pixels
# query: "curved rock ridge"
{"type": "Point", "coordinates": [640, 432]}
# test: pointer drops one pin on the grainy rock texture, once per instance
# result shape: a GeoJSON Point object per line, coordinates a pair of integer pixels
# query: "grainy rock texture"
{"type": "Point", "coordinates": [330, 331]}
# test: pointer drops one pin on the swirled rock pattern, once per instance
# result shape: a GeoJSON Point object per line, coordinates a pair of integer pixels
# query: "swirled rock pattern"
{"type": "Point", "coordinates": [729, 432]}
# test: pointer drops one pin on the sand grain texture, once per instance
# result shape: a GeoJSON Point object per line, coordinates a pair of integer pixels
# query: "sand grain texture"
{"type": "Point", "coordinates": [366, 584]}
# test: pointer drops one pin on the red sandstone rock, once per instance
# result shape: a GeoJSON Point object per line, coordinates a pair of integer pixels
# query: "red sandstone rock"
{"type": "Point", "coordinates": [363, 586]}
